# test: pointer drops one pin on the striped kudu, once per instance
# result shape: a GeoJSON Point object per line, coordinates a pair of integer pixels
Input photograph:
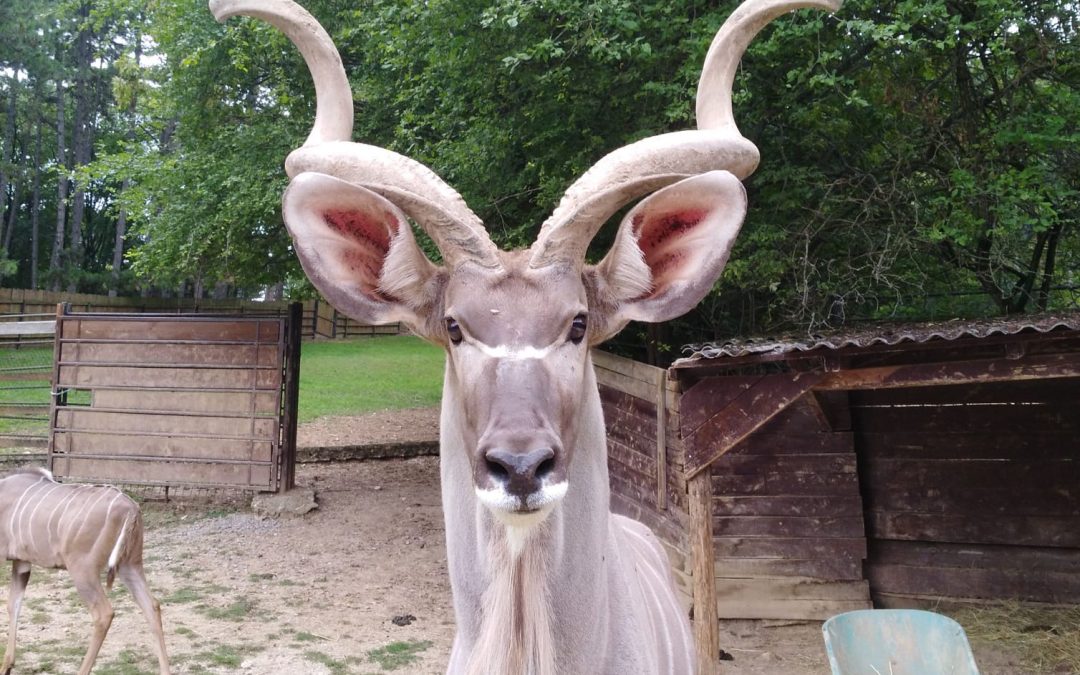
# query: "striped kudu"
{"type": "Point", "coordinates": [545, 579]}
{"type": "Point", "coordinates": [85, 529]}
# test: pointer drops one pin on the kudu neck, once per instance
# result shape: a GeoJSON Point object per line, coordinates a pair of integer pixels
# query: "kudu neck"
{"type": "Point", "coordinates": [563, 556]}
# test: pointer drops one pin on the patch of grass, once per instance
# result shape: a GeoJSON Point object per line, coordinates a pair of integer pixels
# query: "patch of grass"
{"type": "Point", "coordinates": [398, 654]}
{"type": "Point", "coordinates": [349, 377]}
{"type": "Point", "coordinates": [238, 610]}
{"type": "Point", "coordinates": [287, 582]}
{"type": "Point", "coordinates": [304, 636]}
{"type": "Point", "coordinates": [335, 666]}
{"type": "Point", "coordinates": [226, 656]}
{"type": "Point", "coordinates": [39, 618]}
{"type": "Point", "coordinates": [1045, 639]}
{"type": "Point", "coordinates": [264, 576]}
{"type": "Point", "coordinates": [185, 631]}
{"type": "Point", "coordinates": [183, 595]}
{"type": "Point", "coordinates": [129, 662]}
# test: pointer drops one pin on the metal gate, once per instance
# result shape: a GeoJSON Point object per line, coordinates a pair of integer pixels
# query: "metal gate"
{"type": "Point", "coordinates": [26, 362]}
{"type": "Point", "coordinates": [176, 400]}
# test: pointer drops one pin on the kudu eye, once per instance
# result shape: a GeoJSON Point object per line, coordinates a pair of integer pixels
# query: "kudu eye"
{"type": "Point", "coordinates": [454, 331]}
{"type": "Point", "coordinates": [577, 329]}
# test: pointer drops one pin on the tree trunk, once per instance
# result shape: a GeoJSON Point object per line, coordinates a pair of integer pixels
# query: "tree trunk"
{"type": "Point", "coordinates": [82, 138]}
{"type": "Point", "coordinates": [121, 219]}
{"type": "Point", "coordinates": [35, 208]}
{"type": "Point", "coordinates": [12, 216]}
{"type": "Point", "coordinates": [55, 261]}
{"type": "Point", "coordinates": [9, 141]}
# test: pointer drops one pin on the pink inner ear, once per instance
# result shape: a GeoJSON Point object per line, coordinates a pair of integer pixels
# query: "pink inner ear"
{"type": "Point", "coordinates": [659, 240]}
{"type": "Point", "coordinates": [369, 236]}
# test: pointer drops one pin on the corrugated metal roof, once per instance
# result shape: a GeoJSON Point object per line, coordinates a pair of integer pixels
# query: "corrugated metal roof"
{"type": "Point", "coordinates": [881, 334]}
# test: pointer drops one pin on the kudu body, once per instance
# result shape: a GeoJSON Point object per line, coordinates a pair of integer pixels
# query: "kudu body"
{"type": "Point", "coordinates": [545, 579]}
{"type": "Point", "coordinates": [85, 529]}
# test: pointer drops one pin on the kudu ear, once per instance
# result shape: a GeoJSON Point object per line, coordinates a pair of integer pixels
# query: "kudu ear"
{"type": "Point", "coordinates": [359, 251]}
{"type": "Point", "coordinates": [668, 253]}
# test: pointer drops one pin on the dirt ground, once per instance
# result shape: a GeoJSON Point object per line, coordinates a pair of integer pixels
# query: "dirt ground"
{"type": "Point", "coordinates": [319, 595]}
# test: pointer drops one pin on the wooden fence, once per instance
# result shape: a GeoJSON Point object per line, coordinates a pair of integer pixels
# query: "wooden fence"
{"type": "Point", "coordinates": [320, 320]}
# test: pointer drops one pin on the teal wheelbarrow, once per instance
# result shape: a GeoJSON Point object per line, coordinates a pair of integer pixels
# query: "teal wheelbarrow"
{"type": "Point", "coordinates": [897, 642]}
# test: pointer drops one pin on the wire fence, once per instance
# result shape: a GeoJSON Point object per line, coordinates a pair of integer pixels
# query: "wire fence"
{"type": "Point", "coordinates": [26, 362]}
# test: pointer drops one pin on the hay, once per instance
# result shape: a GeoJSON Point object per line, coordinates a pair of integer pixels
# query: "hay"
{"type": "Point", "coordinates": [1045, 637]}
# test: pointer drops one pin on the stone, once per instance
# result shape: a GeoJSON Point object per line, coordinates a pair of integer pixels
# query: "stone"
{"type": "Point", "coordinates": [292, 503]}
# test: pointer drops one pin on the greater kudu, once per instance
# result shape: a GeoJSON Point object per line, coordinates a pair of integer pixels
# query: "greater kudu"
{"type": "Point", "coordinates": [85, 529]}
{"type": "Point", "coordinates": [545, 579]}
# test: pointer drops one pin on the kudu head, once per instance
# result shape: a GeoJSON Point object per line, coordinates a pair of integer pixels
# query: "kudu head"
{"type": "Point", "coordinates": [517, 326]}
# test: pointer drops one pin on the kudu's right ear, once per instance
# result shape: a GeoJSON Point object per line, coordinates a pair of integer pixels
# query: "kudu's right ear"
{"type": "Point", "coordinates": [359, 251]}
{"type": "Point", "coordinates": [668, 253]}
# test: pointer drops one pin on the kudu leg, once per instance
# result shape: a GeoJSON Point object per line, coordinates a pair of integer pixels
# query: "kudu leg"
{"type": "Point", "coordinates": [132, 576]}
{"type": "Point", "coordinates": [88, 584]}
{"type": "Point", "coordinates": [20, 576]}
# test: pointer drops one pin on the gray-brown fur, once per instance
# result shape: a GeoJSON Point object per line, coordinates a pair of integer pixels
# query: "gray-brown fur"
{"type": "Point", "coordinates": [85, 529]}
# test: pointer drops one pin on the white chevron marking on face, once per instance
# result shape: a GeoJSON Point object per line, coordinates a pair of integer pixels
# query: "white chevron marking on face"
{"type": "Point", "coordinates": [514, 353]}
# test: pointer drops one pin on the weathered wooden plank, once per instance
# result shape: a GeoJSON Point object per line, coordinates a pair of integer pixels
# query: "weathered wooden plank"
{"type": "Point", "coordinates": [1063, 474]}
{"type": "Point", "coordinates": [1052, 391]}
{"type": "Point", "coordinates": [264, 354]}
{"type": "Point", "coordinates": [788, 484]}
{"type": "Point", "coordinates": [702, 551]}
{"type": "Point", "coordinates": [641, 443]}
{"type": "Point", "coordinates": [1024, 443]}
{"type": "Point", "coordinates": [788, 443]}
{"type": "Point", "coordinates": [78, 469]}
{"type": "Point", "coordinates": [712, 394]}
{"type": "Point", "coordinates": [661, 444]}
{"type": "Point", "coordinates": [640, 464]}
{"type": "Point", "coordinates": [828, 568]}
{"type": "Point", "coordinates": [1024, 500]}
{"type": "Point", "coordinates": [956, 372]}
{"type": "Point", "coordinates": [787, 526]}
{"type": "Point", "coordinates": [86, 377]}
{"type": "Point", "coordinates": [618, 400]}
{"type": "Point", "coordinates": [88, 419]}
{"type": "Point", "coordinates": [984, 418]}
{"type": "Point", "coordinates": [989, 529]}
{"type": "Point", "coordinates": [786, 505]}
{"type": "Point", "coordinates": [797, 547]}
{"type": "Point", "coordinates": [74, 443]}
{"type": "Point", "coordinates": [642, 372]}
{"type": "Point", "coordinates": [1020, 584]}
{"type": "Point", "coordinates": [164, 329]}
{"type": "Point", "coordinates": [744, 415]}
{"type": "Point", "coordinates": [933, 554]}
{"type": "Point", "coordinates": [258, 402]}
{"type": "Point", "coordinates": [804, 463]}
{"type": "Point", "coordinates": [789, 598]}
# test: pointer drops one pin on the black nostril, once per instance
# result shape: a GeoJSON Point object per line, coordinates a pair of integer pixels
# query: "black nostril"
{"type": "Point", "coordinates": [520, 473]}
{"type": "Point", "coordinates": [496, 470]}
{"type": "Point", "coordinates": [545, 467]}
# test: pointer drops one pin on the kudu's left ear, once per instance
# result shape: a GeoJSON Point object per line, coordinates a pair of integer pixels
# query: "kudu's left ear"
{"type": "Point", "coordinates": [359, 251]}
{"type": "Point", "coordinates": [668, 253]}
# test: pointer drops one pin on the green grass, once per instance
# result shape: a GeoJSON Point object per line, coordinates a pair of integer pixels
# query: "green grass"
{"type": "Point", "coordinates": [335, 666]}
{"type": "Point", "coordinates": [350, 377]}
{"type": "Point", "coordinates": [398, 654]}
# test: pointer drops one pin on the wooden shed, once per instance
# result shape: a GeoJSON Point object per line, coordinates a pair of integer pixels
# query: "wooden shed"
{"type": "Point", "coordinates": [893, 466]}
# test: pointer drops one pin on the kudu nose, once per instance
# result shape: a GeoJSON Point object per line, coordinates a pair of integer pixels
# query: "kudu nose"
{"type": "Point", "coordinates": [521, 473]}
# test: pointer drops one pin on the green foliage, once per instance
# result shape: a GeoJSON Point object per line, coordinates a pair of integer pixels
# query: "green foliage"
{"type": "Point", "coordinates": [919, 157]}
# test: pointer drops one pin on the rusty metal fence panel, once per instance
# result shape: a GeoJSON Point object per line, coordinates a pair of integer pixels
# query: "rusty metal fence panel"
{"type": "Point", "coordinates": [174, 400]}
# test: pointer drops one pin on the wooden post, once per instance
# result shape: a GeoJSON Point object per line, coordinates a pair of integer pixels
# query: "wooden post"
{"type": "Point", "coordinates": [292, 396]}
{"type": "Point", "coordinates": [706, 629]}
{"type": "Point", "coordinates": [661, 441]}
